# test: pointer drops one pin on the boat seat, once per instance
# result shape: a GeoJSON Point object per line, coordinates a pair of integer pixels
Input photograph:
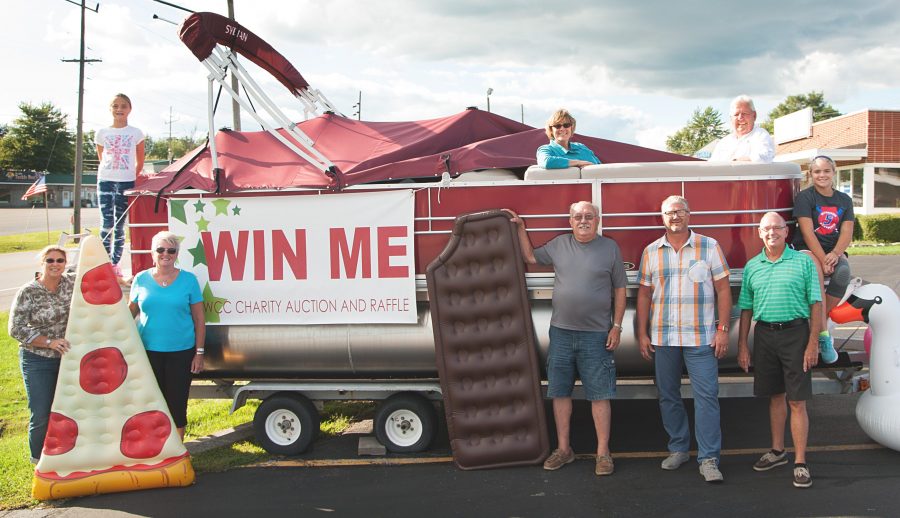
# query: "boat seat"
{"type": "Point", "coordinates": [687, 169]}
{"type": "Point", "coordinates": [486, 175]}
{"type": "Point", "coordinates": [539, 173]}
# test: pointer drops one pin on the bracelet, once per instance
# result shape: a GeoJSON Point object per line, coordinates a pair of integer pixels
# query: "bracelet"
{"type": "Point", "coordinates": [201, 350]}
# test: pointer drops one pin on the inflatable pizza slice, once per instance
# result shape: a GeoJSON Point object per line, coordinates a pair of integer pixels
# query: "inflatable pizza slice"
{"type": "Point", "coordinates": [110, 429]}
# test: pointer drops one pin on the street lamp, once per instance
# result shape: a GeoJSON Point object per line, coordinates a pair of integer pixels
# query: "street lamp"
{"type": "Point", "coordinates": [489, 92]}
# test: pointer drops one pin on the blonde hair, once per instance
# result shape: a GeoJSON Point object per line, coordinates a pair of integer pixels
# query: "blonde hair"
{"type": "Point", "coordinates": [165, 236]}
{"type": "Point", "coordinates": [50, 248]}
{"type": "Point", "coordinates": [812, 163]}
{"type": "Point", "coordinates": [122, 96]}
{"type": "Point", "coordinates": [560, 116]}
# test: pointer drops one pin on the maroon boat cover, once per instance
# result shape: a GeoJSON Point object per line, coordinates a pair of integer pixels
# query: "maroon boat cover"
{"type": "Point", "coordinates": [366, 152]}
{"type": "Point", "coordinates": [202, 31]}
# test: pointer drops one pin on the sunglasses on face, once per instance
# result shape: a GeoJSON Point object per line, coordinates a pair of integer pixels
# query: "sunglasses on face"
{"type": "Point", "coordinates": [51, 260]}
{"type": "Point", "coordinates": [170, 251]}
{"type": "Point", "coordinates": [566, 125]}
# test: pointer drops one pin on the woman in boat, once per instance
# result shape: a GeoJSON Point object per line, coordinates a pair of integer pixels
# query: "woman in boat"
{"type": "Point", "coordinates": [825, 228]}
{"type": "Point", "coordinates": [172, 323]}
{"type": "Point", "coordinates": [561, 153]}
{"type": "Point", "coordinates": [38, 321]}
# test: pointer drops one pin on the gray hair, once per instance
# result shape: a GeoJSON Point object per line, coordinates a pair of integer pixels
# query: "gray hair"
{"type": "Point", "coordinates": [573, 206]}
{"type": "Point", "coordinates": [672, 200]}
{"type": "Point", "coordinates": [165, 237]}
{"type": "Point", "coordinates": [743, 99]}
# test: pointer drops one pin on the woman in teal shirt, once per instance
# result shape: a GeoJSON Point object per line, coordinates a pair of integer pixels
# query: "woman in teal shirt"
{"type": "Point", "coordinates": [560, 153]}
{"type": "Point", "coordinates": [172, 324]}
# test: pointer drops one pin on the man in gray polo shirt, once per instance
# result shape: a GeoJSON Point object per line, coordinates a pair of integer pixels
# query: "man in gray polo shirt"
{"type": "Point", "coordinates": [584, 327]}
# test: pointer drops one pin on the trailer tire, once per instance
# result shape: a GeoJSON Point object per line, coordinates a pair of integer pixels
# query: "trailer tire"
{"type": "Point", "coordinates": [406, 423]}
{"type": "Point", "coordinates": [286, 424]}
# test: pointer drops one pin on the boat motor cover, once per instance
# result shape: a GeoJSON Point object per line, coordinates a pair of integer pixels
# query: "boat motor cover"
{"type": "Point", "coordinates": [485, 346]}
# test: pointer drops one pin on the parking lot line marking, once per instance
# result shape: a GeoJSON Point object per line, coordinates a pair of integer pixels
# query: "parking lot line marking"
{"type": "Point", "coordinates": [405, 461]}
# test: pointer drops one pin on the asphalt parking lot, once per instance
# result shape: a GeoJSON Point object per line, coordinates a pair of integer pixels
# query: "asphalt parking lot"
{"type": "Point", "coordinates": [852, 477]}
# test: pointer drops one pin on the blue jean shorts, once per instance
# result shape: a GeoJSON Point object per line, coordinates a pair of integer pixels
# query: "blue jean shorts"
{"type": "Point", "coordinates": [584, 353]}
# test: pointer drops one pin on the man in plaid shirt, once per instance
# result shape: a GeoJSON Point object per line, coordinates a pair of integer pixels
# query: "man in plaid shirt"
{"type": "Point", "coordinates": [683, 281]}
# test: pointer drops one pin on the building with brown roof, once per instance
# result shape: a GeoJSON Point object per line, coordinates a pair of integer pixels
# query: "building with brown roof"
{"type": "Point", "coordinates": [864, 144]}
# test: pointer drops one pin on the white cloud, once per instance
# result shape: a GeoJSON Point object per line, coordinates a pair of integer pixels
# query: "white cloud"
{"type": "Point", "coordinates": [629, 71]}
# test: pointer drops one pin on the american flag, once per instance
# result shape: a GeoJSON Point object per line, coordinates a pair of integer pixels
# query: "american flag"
{"type": "Point", "coordinates": [38, 187]}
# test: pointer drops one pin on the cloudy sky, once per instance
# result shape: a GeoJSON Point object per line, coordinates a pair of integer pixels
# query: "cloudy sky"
{"type": "Point", "coordinates": [629, 71]}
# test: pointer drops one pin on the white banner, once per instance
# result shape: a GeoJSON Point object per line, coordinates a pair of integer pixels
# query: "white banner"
{"type": "Point", "coordinates": [309, 259]}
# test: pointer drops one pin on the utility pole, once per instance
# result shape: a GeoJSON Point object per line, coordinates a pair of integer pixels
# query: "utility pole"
{"type": "Point", "coordinates": [79, 132]}
{"type": "Point", "coordinates": [358, 107]}
{"type": "Point", "coordinates": [169, 153]}
{"type": "Point", "coordinates": [235, 107]}
{"type": "Point", "coordinates": [522, 106]}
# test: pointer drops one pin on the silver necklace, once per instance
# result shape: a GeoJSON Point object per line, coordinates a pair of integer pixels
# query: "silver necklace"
{"type": "Point", "coordinates": [162, 281]}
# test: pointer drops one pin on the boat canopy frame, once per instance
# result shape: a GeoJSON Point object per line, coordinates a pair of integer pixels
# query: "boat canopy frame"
{"type": "Point", "coordinates": [218, 53]}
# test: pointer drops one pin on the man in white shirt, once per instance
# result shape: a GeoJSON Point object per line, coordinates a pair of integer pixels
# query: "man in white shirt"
{"type": "Point", "coordinates": [747, 142]}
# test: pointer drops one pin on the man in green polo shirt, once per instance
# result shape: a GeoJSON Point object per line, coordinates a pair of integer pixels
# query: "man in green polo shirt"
{"type": "Point", "coordinates": [780, 291]}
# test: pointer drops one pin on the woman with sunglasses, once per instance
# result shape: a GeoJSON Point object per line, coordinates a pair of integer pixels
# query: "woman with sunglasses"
{"type": "Point", "coordinates": [561, 153]}
{"type": "Point", "coordinates": [38, 321]}
{"type": "Point", "coordinates": [171, 324]}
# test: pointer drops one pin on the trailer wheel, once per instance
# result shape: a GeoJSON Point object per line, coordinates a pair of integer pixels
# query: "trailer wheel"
{"type": "Point", "coordinates": [286, 424]}
{"type": "Point", "coordinates": [405, 423]}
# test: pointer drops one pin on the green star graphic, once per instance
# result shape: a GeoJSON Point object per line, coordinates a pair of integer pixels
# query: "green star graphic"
{"type": "Point", "coordinates": [210, 303]}
{"type": "Point", "coordinates": [236, 210]}
{"type": "Point", "coordinates": [202, 224]}
{"type": "Point", "coordinates": [198, 253]}
{"type": "Point", "coordinates": [221, 206]}
{"type": "Point", "coordinates": [199, 206]}
{"type": "Point", "coordinates": [176, 209]}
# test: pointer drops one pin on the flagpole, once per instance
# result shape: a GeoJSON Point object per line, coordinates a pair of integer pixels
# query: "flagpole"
{"type": "Point", "coordinates": [47, 214]}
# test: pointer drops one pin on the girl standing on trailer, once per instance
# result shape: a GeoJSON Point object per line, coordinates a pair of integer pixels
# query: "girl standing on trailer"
{"type": "Point", "coordinates": [120, 149]}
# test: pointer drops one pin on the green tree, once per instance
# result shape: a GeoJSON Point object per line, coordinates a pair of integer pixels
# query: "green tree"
{"type": "Point", "coordinates": [38, 140]}
{"type": "Point", "coordinates": [158, 148]}
{"type": "Point", "coordinates": [704, 127]}
{"type": "Point", "coordinates": [815, 100]}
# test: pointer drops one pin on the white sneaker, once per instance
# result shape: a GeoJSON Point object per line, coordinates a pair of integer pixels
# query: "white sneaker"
{"type": "Point", "coordinates": [709, 470]}
{"type": "Point", "coordinates": [675, 460]}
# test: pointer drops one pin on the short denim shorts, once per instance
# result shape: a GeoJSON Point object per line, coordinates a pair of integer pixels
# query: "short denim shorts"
{"type": "Point", "coordinates": [584, 353]}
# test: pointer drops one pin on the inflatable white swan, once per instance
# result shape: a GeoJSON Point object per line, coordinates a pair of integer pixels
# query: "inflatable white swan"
{"type": "Point", "coordinates": [878, 409]}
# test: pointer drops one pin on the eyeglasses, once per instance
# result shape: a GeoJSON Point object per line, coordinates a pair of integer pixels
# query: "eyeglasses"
{"type": "Point", "coordinates": [171, 251]}
{"type": "Point", "coordinates": [672, 213]}
{"type": "Point", "coordinates": [59, 260]}
{"type": "Point", "coordinates": [566, 125]}
{"type": "Point", "coordinates": [772, 228]}
{"type": "Point", "coordinates": [585, 217]}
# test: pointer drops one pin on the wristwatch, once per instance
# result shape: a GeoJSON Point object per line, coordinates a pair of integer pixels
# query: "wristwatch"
{"type": "Point", "coordinates": [722, 327]}
{"type": "Point", "coordinates": [619, 326]}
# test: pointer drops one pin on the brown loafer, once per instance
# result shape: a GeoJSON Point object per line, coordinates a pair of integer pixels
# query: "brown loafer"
{"type": "Point", "coordinates": [605, 465]}
{"type": "Point", "coordinates": [558, 459]}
